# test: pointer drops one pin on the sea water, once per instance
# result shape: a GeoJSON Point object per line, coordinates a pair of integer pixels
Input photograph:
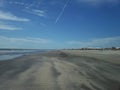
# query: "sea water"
{"type": "Point", "coordinates": [8, 55]}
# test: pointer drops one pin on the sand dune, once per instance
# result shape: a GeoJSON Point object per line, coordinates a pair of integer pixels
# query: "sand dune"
{"type": "Point", "coordinates": [59, 70]}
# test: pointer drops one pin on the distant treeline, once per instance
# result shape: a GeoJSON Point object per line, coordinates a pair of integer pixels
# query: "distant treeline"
{"type": "Point", "coordinates": [112, 48]}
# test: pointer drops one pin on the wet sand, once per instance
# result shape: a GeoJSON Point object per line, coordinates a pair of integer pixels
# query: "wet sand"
{"type": "Point", "coordinates": [61, 70]}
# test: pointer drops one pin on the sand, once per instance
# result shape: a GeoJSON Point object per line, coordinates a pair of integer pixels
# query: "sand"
{"type": "Point", "coordinates": [60, 70]}
{"type": "Point", "coordinates": [106, 55]}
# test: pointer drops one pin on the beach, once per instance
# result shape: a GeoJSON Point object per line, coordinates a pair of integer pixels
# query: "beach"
{"type": "Point", "coordinates": [62, 70]}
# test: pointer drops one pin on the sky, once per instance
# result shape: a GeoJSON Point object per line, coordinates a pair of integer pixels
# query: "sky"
{"type": "Point", "coordinates": [58, 24]}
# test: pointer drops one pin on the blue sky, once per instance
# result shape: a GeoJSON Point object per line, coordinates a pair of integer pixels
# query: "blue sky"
{"type": "Point", "coordinates": [59, 23]}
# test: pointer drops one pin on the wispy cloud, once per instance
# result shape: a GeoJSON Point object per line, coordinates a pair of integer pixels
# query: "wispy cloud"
{"type": "Point", "coordinates": [7, 16]}
{"type": "Point", "coordinates": [11, 17]}
{"type": "Point", "coordinates": [31, 5]}
{"type": "Point", "coordinates": [12, 42]}
{"type": "Point", "coordinates": [26, 5]}
{"type": "Point", "coordinates": [9, 27]}
{"type": "Point", "coordinates": [98, 1]}
{"type": "Point", "coordinates": [101, 42]}
{"type": "Point", "coordinates": [43, 24]}
{"type": "Point", "coordinates": [16, 3]}
{"type": "Point", "coordinates": [24, 40]}
{"type": "Point", "coordinates": [40, 13]}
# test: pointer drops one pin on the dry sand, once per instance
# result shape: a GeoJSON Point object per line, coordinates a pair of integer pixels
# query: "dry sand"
{"type": "Point", "coordinates": [106, 55]}
{"type": "Point", "coordinates": [60, 70]}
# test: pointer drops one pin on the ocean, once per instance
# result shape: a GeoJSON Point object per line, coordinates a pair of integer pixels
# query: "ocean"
{"type": "Point", "coordinates": [11, 54]}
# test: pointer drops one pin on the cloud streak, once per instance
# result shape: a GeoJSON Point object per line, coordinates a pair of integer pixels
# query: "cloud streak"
{"type": "Point", "coordinates": [11, 17]}
{"type": "Point", "coordinates": [98, 1]}
{"type": "Point", "coordinates": [62, 11]}
{"type": "Point", "coordinates": [16, 3]}
{"type": "Point", "coordinates": [102, 42]}
{"type": "Point", "coordinates": [9, 27]}
{"type": "Point", "coordinates": [30, 5]}
{"type": "Point", "coordinates": [27, 42]}
{"type": "Point", "coordinates": [24, 40]}
{"type": "Point", "coordinates": [40, 13]}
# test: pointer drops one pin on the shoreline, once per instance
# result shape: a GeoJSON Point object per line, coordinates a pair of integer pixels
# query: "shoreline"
{"type": "Point", "coordinates": [10, 55]}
